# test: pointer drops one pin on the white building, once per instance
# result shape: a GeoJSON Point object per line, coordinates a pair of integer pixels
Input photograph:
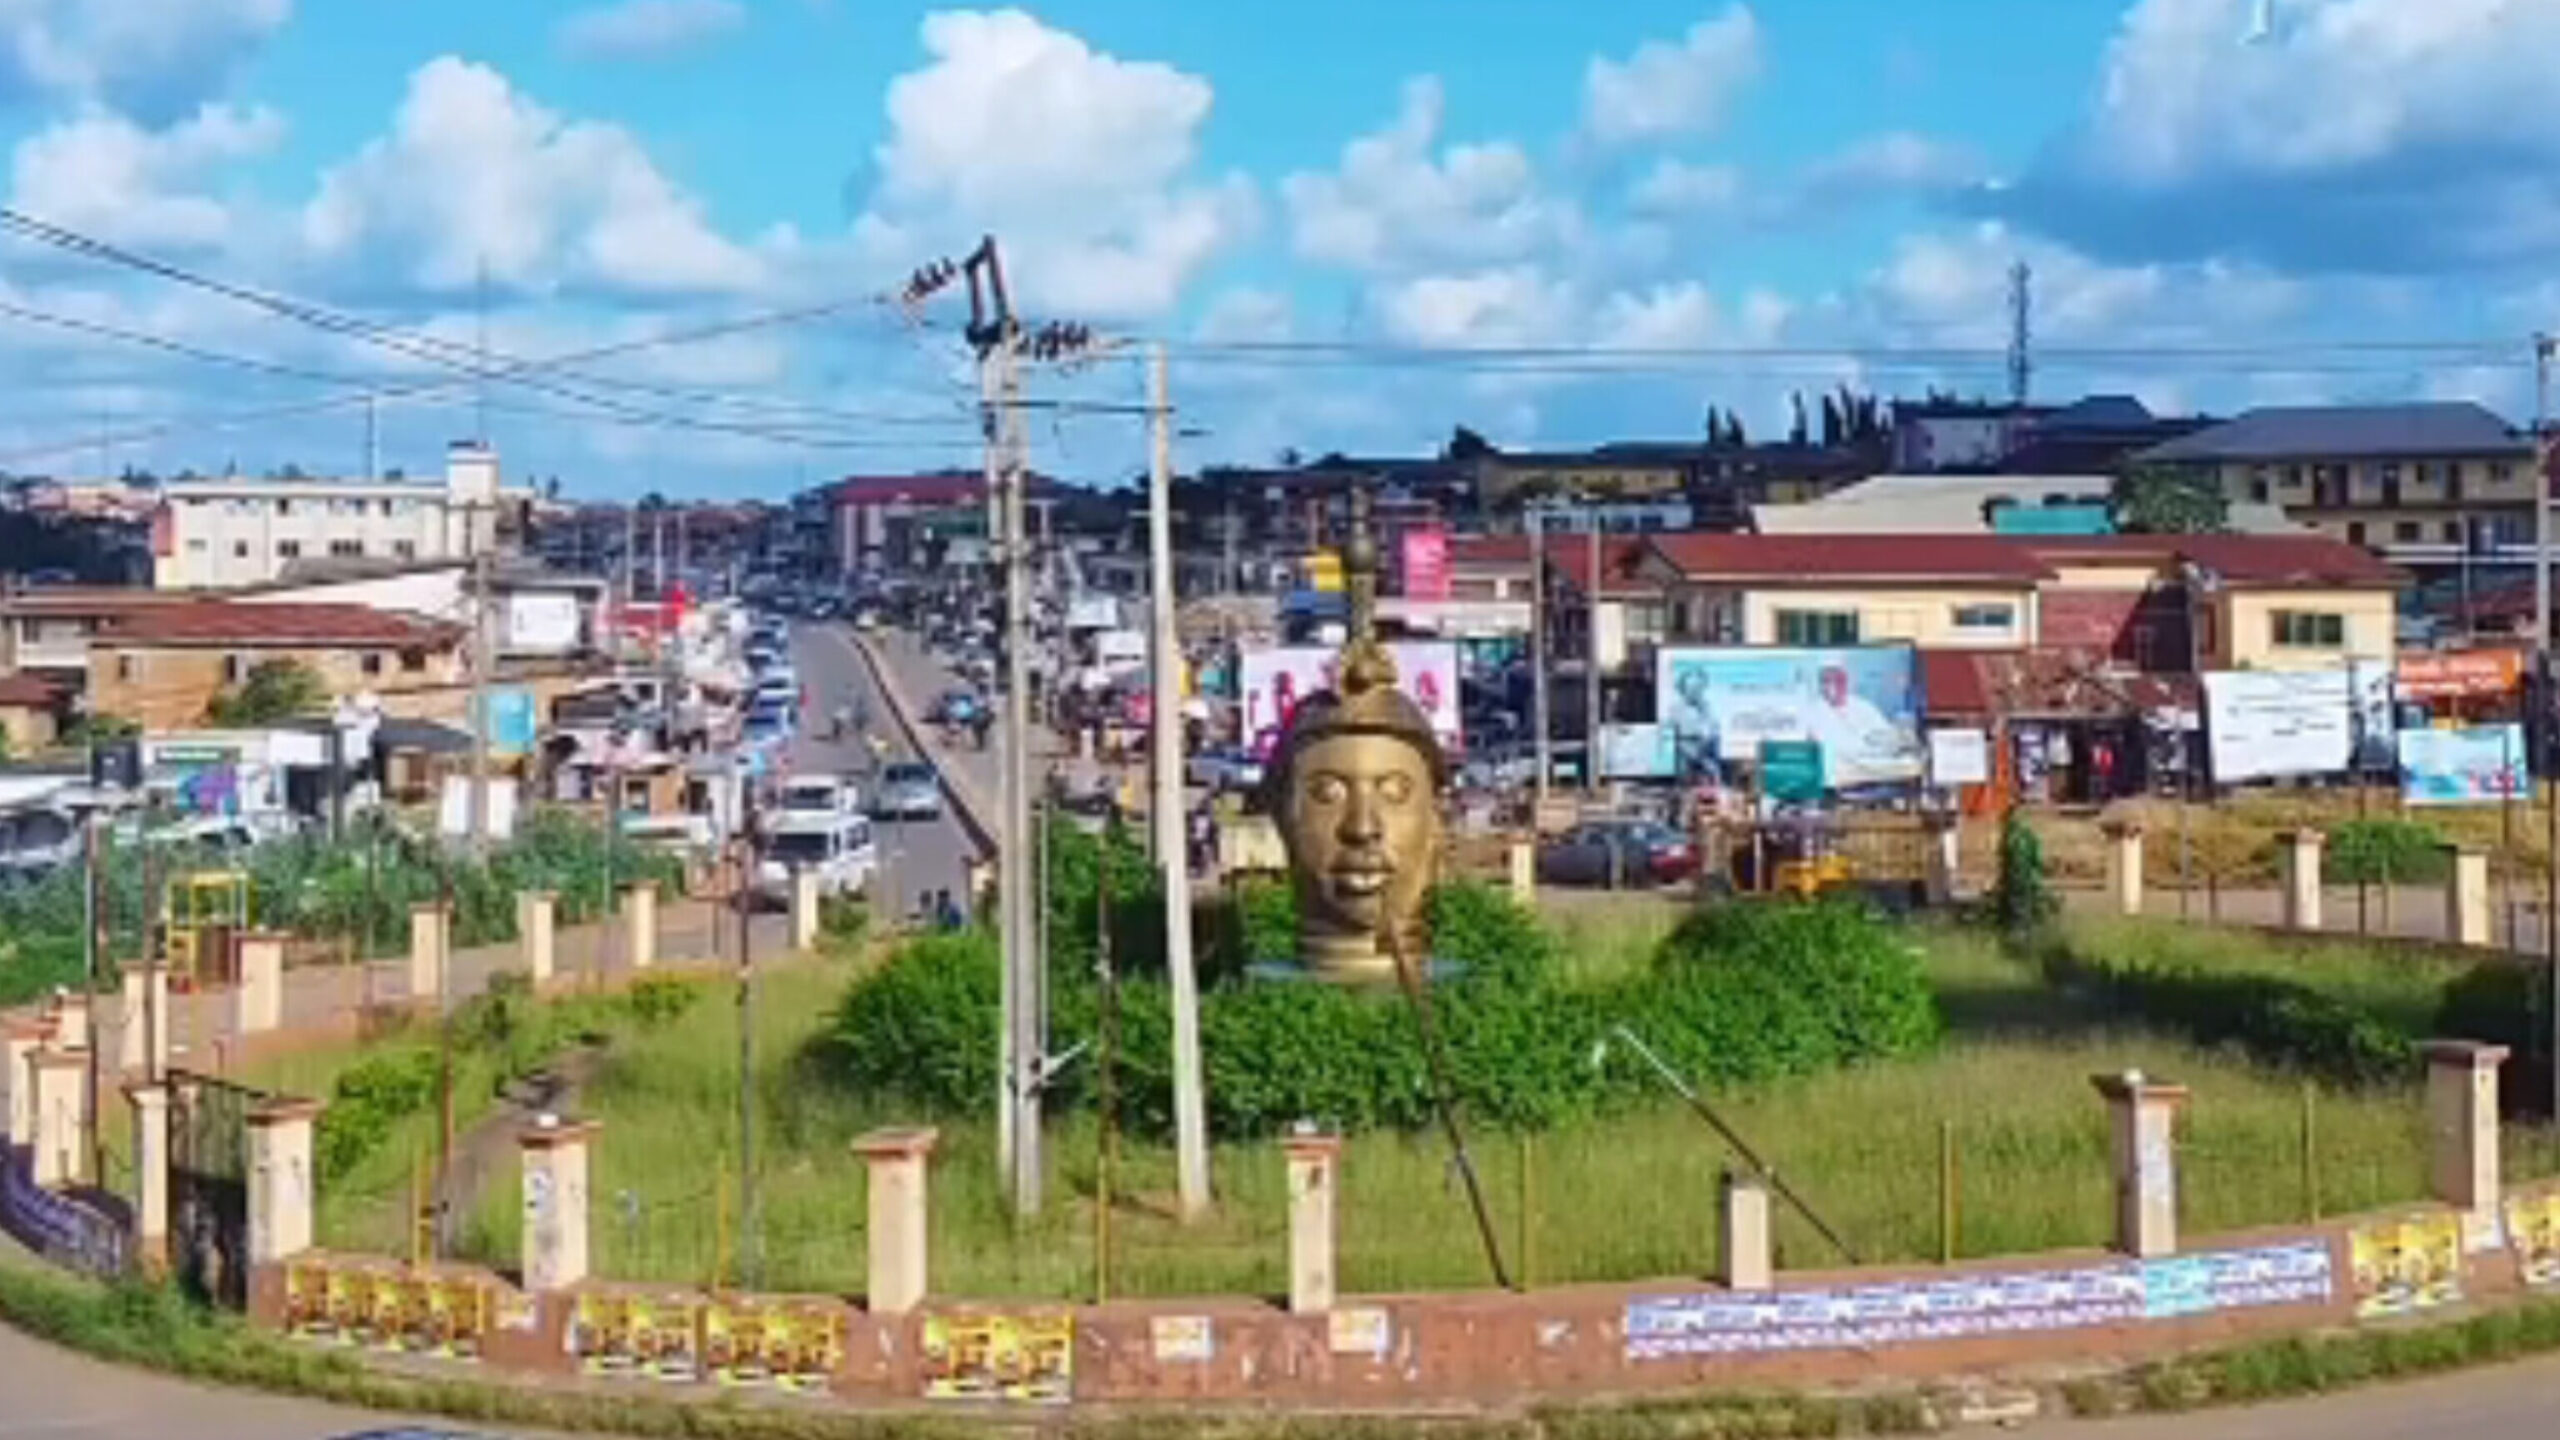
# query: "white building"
{"type": "Point", "coordinates": [227, 533]}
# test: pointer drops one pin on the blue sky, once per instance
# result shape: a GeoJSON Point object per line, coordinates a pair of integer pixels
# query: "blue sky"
{"type": "Point", "coordinates": [1353, 225]}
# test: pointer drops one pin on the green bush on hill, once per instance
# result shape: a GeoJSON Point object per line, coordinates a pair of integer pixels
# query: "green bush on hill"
{"type": "Point", "coordinates": [2384, 849]}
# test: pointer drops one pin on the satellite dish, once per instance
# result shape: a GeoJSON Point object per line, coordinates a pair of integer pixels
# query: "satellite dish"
{"type": "Point", "coordinates": [2262, 23]}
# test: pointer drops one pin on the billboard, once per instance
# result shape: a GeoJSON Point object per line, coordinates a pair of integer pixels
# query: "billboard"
{"type": "Point", "coordinates": [1861, 704]}
{"type": "Point", "coordinates": [1426, 563]}
{"type": "Point", "coordinates": [2265, 723]}
{"type": "Point", "coordinates": [1276, 678]}
{"type": "Point", "coordinates": [1633, 752]}
{"type": "Point", "coordinates": [543, 623]}
{"type": "Point", "coordinates": [2460, 674]}
{"type": "Point", "coordinates": [2480, 764]}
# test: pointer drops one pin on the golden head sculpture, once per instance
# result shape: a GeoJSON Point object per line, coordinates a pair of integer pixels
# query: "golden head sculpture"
{"type": "Point", "coordinates": [1354, 787]}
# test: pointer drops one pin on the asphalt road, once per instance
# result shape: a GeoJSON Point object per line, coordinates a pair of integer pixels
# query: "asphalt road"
{"type": "Point", "coordinates": [916, 856]}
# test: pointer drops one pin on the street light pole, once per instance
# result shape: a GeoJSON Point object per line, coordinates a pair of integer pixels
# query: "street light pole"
{"type": "Point", "coordinates": [1190, 1114]}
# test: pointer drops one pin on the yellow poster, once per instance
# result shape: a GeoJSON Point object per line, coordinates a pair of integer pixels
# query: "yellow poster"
{"type": "Point", "coordinates": [2533, 1227]}
{"type": "Point", "coordinates": [1027, 1357]}
{"type": "Point", "coordinates": [788, 1345]}
{"type": "Point", "coordinates": [1324, 570]}
{"type": "Point", "coordinates": [2409, 1264]}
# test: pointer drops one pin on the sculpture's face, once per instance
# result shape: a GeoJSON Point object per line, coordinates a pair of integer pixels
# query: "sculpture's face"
{"type": "Point", "coordinates": [1362, 825]}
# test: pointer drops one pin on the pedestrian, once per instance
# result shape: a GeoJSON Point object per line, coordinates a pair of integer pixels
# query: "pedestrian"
{"type": "Point", "coordinates": [946, 911]}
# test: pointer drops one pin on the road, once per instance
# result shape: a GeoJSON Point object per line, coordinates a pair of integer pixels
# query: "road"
{"type": "Point", "coordinates": [916, 856]}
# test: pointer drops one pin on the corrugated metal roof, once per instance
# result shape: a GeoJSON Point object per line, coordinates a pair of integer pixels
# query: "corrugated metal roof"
{"type": "Point", "coordinates": [2291, 432]}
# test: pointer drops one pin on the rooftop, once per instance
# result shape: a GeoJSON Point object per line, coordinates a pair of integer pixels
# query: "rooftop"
{"type": "Point", "coordinates": [218, 622]}
{"type": "Point", "coordinates": [2293, 432]}
{"type": "Point", "coordinates": [1923, 504]}
{"type": "Point", "coordinates": [1867, 557]}
{"type": "Point", "coordinates": [24, 689]}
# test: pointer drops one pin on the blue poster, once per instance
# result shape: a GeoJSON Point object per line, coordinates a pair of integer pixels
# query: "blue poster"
{"type": "Point", "coordinates": [1861, 705]}
{"type": "Point", "coordinates": [2478, 765]}
{"type": "Point", "coordinates": [512, 728]}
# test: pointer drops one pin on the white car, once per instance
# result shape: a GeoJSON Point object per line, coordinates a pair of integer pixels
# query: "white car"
{"type": "Point", "coordinates": [839, 848]}
{"type": "Point", "coordinates": [820, 796]}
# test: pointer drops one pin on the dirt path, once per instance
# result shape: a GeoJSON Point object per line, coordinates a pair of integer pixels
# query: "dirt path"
{"type": "Point", "coordinates": [487, 1151]}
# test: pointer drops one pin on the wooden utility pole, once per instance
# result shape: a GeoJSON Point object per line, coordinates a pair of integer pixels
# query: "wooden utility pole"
{"type": "Point", "coordinates": [1190, 1114]}
{"type": "Point", "coordinates": [2543, 467]}
{"type": "Point", "coordinates": [1537, 522]}
{"type": "Point", "coordinates": [1591, 667]}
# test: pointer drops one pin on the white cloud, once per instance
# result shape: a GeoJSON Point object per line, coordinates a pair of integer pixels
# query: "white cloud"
{"type": "Point", "coordinates": [647, 29]}
{"type": "Point", "coordinates": [1667, 88]}
{"type": "Point", "coordinates": [104, 175]}
{"type": "Point", "coordinates": [1392, 204]}
{"type": "Point", "coordinates": [1503, 305]}
{"type": "Point", "coordinates": [1677, 187]}
{"type": "Point", "coordinates": [475, 173]}
{"type": "Point", "coordinates": [154, 59]}
{"type": "Point", "coordinates": [1081, 160]}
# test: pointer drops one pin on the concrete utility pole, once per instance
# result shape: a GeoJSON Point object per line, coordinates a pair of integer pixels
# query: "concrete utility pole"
{"type": "Point", "coordinates": [2543, 466]}
{"type": "Point", "coordinates": [991, 398]}
{"type": "Point", "coordinates": [1190, 1113]}
{"type": "Point", "coordinates": [1591, 668]}
{"type": "Point", "coordinates": [1538, 652]}
{"type": "Point", "coordinates": [483, 658]}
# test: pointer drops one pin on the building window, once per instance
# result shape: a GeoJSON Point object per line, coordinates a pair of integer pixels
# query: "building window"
{"type": "Point", "coordinates": [288, 549]}
{"type": "Point", "coordinates": [239, 549]}
{"type": "Point", "coordinates": [2308, 629]}
{"type": "Point", "coordinates": [346, 549]}
{"type": "Point", "coordinates": [386, 507]}
{"type": "Point", "coordinates": [125, 669]}
{"type": "Point", "coordinates": [2293, 477]}
{"type": "Point", "coordinates": [371, 664]}
{"type": "Point", "coordinates": [1817, 627]}
{"type": "Point", "coordinates": [2257, 490]}
{"type": "Point", "coordinates": [412, 661]}
{"type": "Point", "coordinates": [2404, 530]}
{"type": "Point", "coordinates": [234, 669]}
{"type": "Point", "coordinates": [196, 546]}
{"type": "Point", "coordinates": [2355, 532]}
{"type": "Point", "coordinates": [2453, 532]}
{"type": "Point", "coordinates": [405, 549]}
{"type": "Point", "coordinates": [284, 507]}
{"type": "Point", "coordinates": [1997, 616]}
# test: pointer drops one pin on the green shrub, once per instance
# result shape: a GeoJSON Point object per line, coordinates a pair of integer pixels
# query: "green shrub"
{"type": "Point", "coordinates": [369, 1098]}
{"type": "Point", "coordinates": [2021, 901]}
{"type": "Point", "coordinates": [843, 919]}
{"type": "Point", "coordinates": [660, 1000]}
{"type": "Point", "coordinates": [922, 1027]}
{"type": "Point", "coordinates": [2506, 1002]}
{"type": "Point", "coordinates": [2384, 849]}
{"type": "Point", "coordinates": [1749, 991]}
{"type": "Point", "coordinates": [2274, 1020]}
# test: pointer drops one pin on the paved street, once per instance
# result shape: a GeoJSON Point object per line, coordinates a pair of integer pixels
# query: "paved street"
{"type": "Point", "coordinates": [916, 856]}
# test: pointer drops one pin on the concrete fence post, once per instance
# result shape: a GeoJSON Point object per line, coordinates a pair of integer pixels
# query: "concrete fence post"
{"type": "Point", "coordinates": [805, 904]}
{"type": "Point", "coordinates": [142, 1021]}
{"type": "Point", "coordinates": [150, 1174]}
{"type": "Point", "coordinates": [2466, 895]}
{"type": "Point", "coordinates": [430, 946]}
{"type": "Point", "coordinates": [1743, 1217]}
{"type": "Point", "coordinates": [555, 1203]}
{"type": "Point", "coordinates": [2301, 851]}
{"type": "Point", "coordinates": [1522, 855]}
{"type": "Point", "coordinates": [19, 1041]}
{"type": "Point", "coordinates": [2124, 866]}
{"type": "Point", "coordinates": [2462, 1124]}
{"type": "Point", "coordinates": [2144, 1115]}
{"type": "Point", "coordinates": [71, 1028]}
{"type": "Point", "coordinates": [58, 1080]}
{"type": "Point", "coordinates": [1315, 1173]}
{"type": "Point", "coordinates": [1942, 858]}
{"type": "Point", "coordinates": [280, 1180]}
{"type": "Point", "coordinates": [898, 1160]}
{"type": "Point", "coordinates": [537, 916]}
{"type": "Point", "coordinates": [640, 924]}
{"type": "Point", "coordinates": [257, 1004]}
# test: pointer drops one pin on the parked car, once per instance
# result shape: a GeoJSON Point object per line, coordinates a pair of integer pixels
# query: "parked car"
{"type": "Point", "coordinates": [768, 724]}
{"type": "Point", "coordinates": [909, 790]}
{"type": "Point", "coordinates": [838, 847]}
{"type": "Point", "coordinates": [1226, 768]}
{"type": "Point", "coordinates": [1090, 811]}
{"type": "Point", "coordinates": [1617, 854]}
{"type": "Point", "coordinates": [690, 838]}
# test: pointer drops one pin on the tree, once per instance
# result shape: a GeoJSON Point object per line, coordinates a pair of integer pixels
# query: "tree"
{"type": "Point", "coordinates": [1465, 444]}
{"type": "Point", "coordinates": [2168, 500]}
{"type": "Point", "coordinates": [1833, 422]}
{"type": "Point", "coordinates": [1796, 433]}
{"type": "Point", "coordinates": [2021, 901]}
{"type": "Point", "coordinates": [1289, 458]}
{"type": "Point", "coordinates": [274, 690]}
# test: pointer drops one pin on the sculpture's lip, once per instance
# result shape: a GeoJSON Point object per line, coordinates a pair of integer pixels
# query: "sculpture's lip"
{"type": "Point", "coordinates": [1364, 880]}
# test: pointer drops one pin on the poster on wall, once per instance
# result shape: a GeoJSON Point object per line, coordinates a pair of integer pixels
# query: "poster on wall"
{"type": "Point", "coordinates": [636, 1337]}
{"type": "Point", "coordinates": [2408, 1264]}
{"type": "Point", "coordinates": [2260, 724]}
{"type": "Point", "coordinates": [1861, 705]}
{"type": "Point", "coordinates": [1029, 1357]}
{"type": "Point", "coordinates": [1277, 678]}
{"type": "Point", "coordinates": [777, 1344]}
{"type": "Point", "coordinates": [1426, 563]}
{"type": "Point", "coordinates": [2479, 764]}
{"type": "Point", "coordinates": [2533, 1228]}
{"type": "Point", "coordinates": [1959, 755]}
{"type": "Point", "coordinates": [1632, 752]}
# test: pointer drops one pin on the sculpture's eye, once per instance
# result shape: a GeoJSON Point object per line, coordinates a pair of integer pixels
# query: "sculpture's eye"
{"type": "Point", "coordinates": [1327, 789]}
{"type": "Point", "coordinates": [1397, 787]}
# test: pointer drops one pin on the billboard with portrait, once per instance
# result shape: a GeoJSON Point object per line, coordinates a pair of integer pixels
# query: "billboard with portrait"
{"type": "Point", "coordinates": [1861, 704]}
{"type": "Point", "coordinates": [1276, 678]}
{"type": "Point", "coordinates": [2476, 765]}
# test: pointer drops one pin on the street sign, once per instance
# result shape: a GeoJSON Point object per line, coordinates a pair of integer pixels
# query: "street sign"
{"type": "Point", "coordinates": [1791, 770]}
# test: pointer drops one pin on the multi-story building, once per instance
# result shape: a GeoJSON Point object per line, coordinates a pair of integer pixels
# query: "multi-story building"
{"type": "Point", "coordinates": [2434, 487]}
{"type": "Point", "coordinates": [164, 666]}
{"type": "Point", "coordinates": [227, 533]}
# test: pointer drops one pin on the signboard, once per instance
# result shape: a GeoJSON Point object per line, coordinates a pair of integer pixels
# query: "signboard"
{"type": "Point", "coordinates": [513, 723]}
{"type": "Point", "coordinates": [2406, 1265]}
{"type": "Point", "coordinates": [1632, 752]}
{"type": "Point", "coordinates": [1277, 678]}
{"type": "Point", "coordinates": [2371, 721]}
{"type": "Point", "coordinates": [1959, 756]}
{"type": "Point", "coordinates": [1791, 770]}
{"type": "Point", "coordinates": [2480, 764]}
{"type": "Point", "coordinates": [453, 814]}
{"type": "Point", "coordinates": [2263, 723]}
{"type": "Point", "coordinates": [1426, 563]}
{"type": "Point", "coordinates": [542, 624]}
{"type": "Point", "coordinates": [2427, 676]}
{"type": "Point", "coordinates": [1324, 571]}
{"type": "Point", "coordinates": [1861, 705]}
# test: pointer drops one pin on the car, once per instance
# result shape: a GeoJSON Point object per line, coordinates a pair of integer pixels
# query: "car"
{"type": "Point", "coordinates": [838, 847]}
{"type": "Point", "coordinates": [819, 794]}
{"type": "Point", "coordinates": [690, 838]}
{"type": "Point", "coordinates": [909, 790]}
{"type": "Point", "coordinates": [767, 724]}
{"type": "Point", "coordinates": [1091, 811]}
{"type": "Point", "coordinates": [955, 707]}
{"type": "Point", "coordinates": [1618, 853]}
{"type": "Point", "coordinates": [1225, 769]}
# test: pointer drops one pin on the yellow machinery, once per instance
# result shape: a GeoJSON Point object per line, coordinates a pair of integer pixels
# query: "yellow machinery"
{"type": "Point", "coordinates": [1798, 856]}
{"type": "Point", "coordinates": [202, 913]}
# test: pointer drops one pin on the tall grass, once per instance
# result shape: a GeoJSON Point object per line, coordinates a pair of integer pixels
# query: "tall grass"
{"type": "Point", "coordinates": [1627, 1198]}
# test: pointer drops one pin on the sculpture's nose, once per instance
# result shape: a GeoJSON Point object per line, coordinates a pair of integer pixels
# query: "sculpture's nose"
{"type": "Point", "coordinates": [1360, 824]}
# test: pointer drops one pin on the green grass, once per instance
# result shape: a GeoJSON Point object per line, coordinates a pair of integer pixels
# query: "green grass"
{"type": "Point", "coordinates": [2399, 984]}
{"type": "Point", "coordinates": [1627, 1197]}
